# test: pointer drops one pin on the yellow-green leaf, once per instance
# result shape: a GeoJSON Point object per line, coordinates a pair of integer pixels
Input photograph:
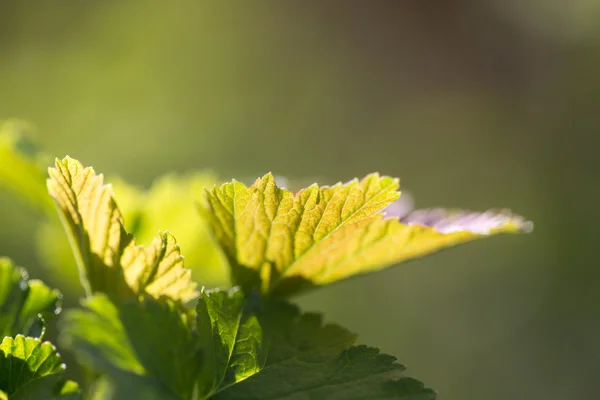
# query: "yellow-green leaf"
{"type": "Point", "coordinates": [171, 202]}
{"type": "Point", "coordinates": [286, 242]}
{"type": "Point", "coordinates": [108, 258]}
{"type": "Point", "coordinates": [158, 269]}
{"type": "Point", "coordinates": [32, 369]}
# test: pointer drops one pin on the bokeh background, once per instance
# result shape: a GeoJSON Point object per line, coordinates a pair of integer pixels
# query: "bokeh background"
{"type": "Point", "coordinates": [473, 104]}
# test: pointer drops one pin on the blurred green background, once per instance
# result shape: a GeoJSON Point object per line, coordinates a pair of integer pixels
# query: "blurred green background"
{"type": "Point", "coordinates": [472, 104]}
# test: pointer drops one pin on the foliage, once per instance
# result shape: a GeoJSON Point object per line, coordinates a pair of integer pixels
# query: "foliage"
{"type": "Point", "coordinates": [146, 330]}
{"type": "Point", "coordinates": [287, 242]}
{"type": "Point", "coordinates": [169, 202]}
{"type": "Point", "coordinates": [24, 303]}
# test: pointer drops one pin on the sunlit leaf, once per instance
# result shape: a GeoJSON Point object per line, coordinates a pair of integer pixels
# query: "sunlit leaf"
{"type": "Point", "coordinates": [231, 338]}
{"type": "Point", "coordinates": [287, 242]}
{"type": "Point", "coordinates": [31, 369]}
{"type": "Point", "coordinates": [23, 302]}
{"type": "Point", "coordinates": [108, 258]}
{"type": "Point", "coordinates": [150, 342]}
{"type": "Point", "coordinates": [171, 202]}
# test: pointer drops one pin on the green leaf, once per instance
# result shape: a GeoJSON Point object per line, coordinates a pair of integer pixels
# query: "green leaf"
{"type": "Point", "coordinates": [306, 359]}
{"type": "Point", "coordinates": [150, 340]}
{"type": "Point", "coordinates": [24, 303]}
{"type": "Point", "coordinates": [171, 202]}
{"type": "Point", "coordinates": [49, 387]}
{"type": "Point", "coordinates": [272, 351]}
{"type": "Point", "coordinates": [108, 258]}
{"type": "Point", "coordinates": [20, 165]}
{"type": "Point", "coordinates": [31, 369]}
{"type": "Point", "coordinates": [231, 338]}
{"type": "Point", "coordinates": [287, 243]}
{"type": "Point", "coordinates": [358, 373]}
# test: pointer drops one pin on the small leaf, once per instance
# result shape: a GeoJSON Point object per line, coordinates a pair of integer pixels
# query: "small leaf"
{"type": "Point", "coordinates": [20, 170]}
{"type": "Point", "coordinates": [286, 243]}
{"type": "Point", "coordinates": [23, 302]}
{"type": "Point", "coordinates": [158, 269]}
{"type": "Point", "coordinates": [31, 369]}
{"type": "Point", "coordinates": [108, 258]}
{"type": "Point", "coordinates": [309, 360]}
{"type": "Point", "coordinates": [232, 339]}
{"type": "Point", "coordinates": [150, 340]}
{"type": "Point", "coordinates": [171, 202]}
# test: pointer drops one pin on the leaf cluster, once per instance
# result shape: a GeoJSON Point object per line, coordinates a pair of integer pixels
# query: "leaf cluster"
{"type": "Point", "coordinates": [147, 330]}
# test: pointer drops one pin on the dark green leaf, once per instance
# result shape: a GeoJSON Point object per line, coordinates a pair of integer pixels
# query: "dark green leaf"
{"type": "Point", "coordinates": [151, 339]}
{"type": "Point", "coordinates": [307, 360]}
{"type": "Point", "coordinates": [24, 303]}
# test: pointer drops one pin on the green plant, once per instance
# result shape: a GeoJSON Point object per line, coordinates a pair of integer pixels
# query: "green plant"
{"type": "Point", "coordinates": [146, 330]}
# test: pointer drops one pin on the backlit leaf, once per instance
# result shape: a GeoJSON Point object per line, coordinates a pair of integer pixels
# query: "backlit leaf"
{"type": "Point", "coordinates": [108, 258]}
{"type": "Point", "coordinates": [171, 202]}
{"type": "Point", "coordinates": [232, 339]}
{"type": "Point", "coordinates": [31, 369]}
{"type": "Point", "coordinates": [286, 242]}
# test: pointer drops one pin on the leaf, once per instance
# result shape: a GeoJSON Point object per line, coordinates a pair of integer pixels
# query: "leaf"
{"type": "Point", "coordinates": [242, 336]}
{"type": "Point", "coordinates": [272, 351]}
{"type": "Point", "coordinates": [49, 387]}
{"type": "Point", "coordinates": [309, 360]}
{"type": "Point", "coordinates": [171, 202]}
{"type": "Point", "coordinates": [158, 269]}
{"type": "Point", "coordinates": [108, 258]}
{"type": "Point", "coordinates": [232, 339]}
{"type": "Point", "coordinates": [31, 369]}
{"type": "Point", "coordinates": [150, 342]}
{"type": "Point", "coordinates": [292, 336]}
{"type": "Point", "coordinates": [24, 303]}
{"type": "Point", "coordinates": [20, 170]}
{"type": "Point", "coordinates": [359, 373]}
{"type": "Point", "coordinates": [287, 243]}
